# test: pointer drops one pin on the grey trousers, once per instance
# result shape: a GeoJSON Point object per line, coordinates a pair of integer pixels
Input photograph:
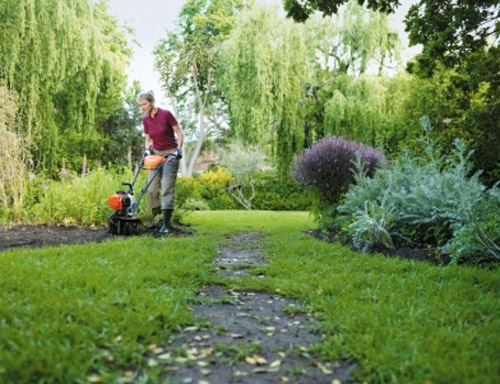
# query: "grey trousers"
{"type": "Point", "coordinates": [164, 183]}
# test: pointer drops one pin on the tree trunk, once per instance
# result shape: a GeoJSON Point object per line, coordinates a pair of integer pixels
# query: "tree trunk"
{"type": "Point", "coordinates": [202, 130]}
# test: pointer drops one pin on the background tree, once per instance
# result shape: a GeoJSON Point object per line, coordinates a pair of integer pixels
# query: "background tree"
{"type": "Point", "coordinates": [284, 81]}
{"type": "Point", "coordinates": [66, 62]}
{"type": "Point", "coordinates": [301, 10]}
{"type": "Point", "coordinates": [450, 30]}
{"type": "Point", "coordinates": [123, 131]}
{"type": "Point", "coordinates": [458, 70]}
{"type": "Point", "coordinates": [187, 61]}
{"type": "Point", "coordinates": [265, 69]}
{"type": "Point", "coordinates": [460, 52]}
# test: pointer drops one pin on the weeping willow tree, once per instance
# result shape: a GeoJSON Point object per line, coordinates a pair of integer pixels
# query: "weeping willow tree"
{"type": "Point", "coordinates": [264, 75]}
{"type": "Point", "coordinates": [349, 97]}
{"type": "Point", "coordinates": [65, 59]}
{"type": "Point", "coordinates": [357, 109]}
{"type": "Point", "coordinates": [288, 84]}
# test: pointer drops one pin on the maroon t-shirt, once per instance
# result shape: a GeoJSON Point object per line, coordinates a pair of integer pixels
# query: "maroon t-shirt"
{"type": "Point", "coordinates": [160, 129]}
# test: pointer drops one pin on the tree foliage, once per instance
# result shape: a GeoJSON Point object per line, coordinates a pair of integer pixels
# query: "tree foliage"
{"type": "Point", "coordinates": [450, 30]}
{"type": "Point", "coordinates": [301, 10]}
{"type": "Point", "coordinates": [276, 72]}
{"type": "Point", "coordinates": [122, 131]}
{"type": "Point", "coordinates": [188, 60]}
{"type": "Point", "coordinates": [66, 62]}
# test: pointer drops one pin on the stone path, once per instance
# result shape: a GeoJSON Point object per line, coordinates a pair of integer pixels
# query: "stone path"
{"type": "Point", "coordinates": [246, 337]}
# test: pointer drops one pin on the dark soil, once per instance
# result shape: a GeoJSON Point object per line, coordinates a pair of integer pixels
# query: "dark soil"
{"type": "Point", "coordinates": [429, 254]}
{"type": "Point", "coordinates": [23, 235]}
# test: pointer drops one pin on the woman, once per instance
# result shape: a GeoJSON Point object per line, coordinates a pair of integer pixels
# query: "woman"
{"type": "Point", "coordinates": [165, 138]}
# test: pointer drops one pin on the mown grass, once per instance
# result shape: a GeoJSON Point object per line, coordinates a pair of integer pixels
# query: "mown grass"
{"type": "Point", "coordinates": [73, 311]}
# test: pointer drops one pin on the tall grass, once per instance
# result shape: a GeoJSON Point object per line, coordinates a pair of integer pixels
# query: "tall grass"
{"type": "Point", "coordinates": [77, 199]}
{"type": "Point", "coordinates": [13, 169]}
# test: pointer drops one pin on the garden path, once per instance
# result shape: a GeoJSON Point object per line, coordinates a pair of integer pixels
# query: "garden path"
{"type": "Point", "coordinates": [247, 337]}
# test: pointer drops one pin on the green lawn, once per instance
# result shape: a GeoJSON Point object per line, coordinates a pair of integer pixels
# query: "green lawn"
{"type": "Point", "coordinates": [69, 312]}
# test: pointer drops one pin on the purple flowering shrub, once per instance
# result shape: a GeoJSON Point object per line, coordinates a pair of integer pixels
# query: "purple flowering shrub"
{"type": "Point", "coordinates": [328, 165]}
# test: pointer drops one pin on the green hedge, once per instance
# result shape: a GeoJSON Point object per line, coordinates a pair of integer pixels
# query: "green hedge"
{"type": "Point", "coordinates": [208, 192]}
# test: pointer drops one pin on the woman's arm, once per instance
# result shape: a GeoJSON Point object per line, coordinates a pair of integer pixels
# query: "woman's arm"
{"type": "Point", "coordinates": [149, 142]}
{"type": "Point", "coordinates": [179, 134]}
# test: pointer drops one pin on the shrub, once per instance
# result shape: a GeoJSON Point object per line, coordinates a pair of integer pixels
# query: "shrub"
{"type": "Point", "coordinates": [281, 194]}
{"type": "Point", "coordinates": [477, 240]}
{"type": "Point", "coordinates": [213, 189]}
{"type": "Point", "coordinates": [243, 163]}
{"type": "Point", "coordinates": [428, 199]}
{"type": "Point", "coordinates": [204, 192]}
{"type": "Point", "coordinates": [328, 165]}
{"type": "Point", "coordinates": [77, 200]}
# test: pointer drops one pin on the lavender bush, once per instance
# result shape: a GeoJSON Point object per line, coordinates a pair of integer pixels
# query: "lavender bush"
{"type": "Point", "coordinates": [328, 166]}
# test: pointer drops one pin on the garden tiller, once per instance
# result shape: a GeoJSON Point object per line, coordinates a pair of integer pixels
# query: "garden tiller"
{"type": "Point", "coordinates": [123, 220]}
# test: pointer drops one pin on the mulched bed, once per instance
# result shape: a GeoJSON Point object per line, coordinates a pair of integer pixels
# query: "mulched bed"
{"type": "Point", "coordinates": [428, 254]}
{"type": "Point", "coordinates": [33, 236]}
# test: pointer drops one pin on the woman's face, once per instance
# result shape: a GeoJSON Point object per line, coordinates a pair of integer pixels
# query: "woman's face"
{"type": "Point", "coordinates": [146, 106]}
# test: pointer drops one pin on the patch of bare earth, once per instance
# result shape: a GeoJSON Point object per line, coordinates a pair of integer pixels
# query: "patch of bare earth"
{"type": "Point", "coordinates": [247, 337]}
{"type": "Point", "coordinates": [40, 235]}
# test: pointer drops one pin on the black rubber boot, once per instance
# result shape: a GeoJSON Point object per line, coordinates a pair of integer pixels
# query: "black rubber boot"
{"type": "Point", "coordinates": [156, 212]}
{"type": "Point", "coordinates": [167, 216]}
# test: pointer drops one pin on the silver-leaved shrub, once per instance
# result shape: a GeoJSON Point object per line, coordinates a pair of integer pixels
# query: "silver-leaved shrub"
{"type": "Point", "coordinates": [429, 199]}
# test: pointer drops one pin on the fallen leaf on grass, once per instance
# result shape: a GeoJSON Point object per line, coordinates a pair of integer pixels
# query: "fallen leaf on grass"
{"type": "Point", "coordinates": [275, 363]}
{"type": "Point", "coordinates": [240, 373]}
{"type": "Point", "coordinates": [324, 369]}
{"type": "Point", "coordinates": [255, 360]}
{"type": "Point", "coordinates": [94, 379]}
{"type": "Point", "coordinates": [181, 360]}
{"type": "Point", "coordinates": [164, 356]}
{"type": "Point", "coordinates": [336, 381]}
{"type": "Point", "coordinates": [152, 363]}
{"type": "Point", "coordinates": [205, 352]}
{"type": "Point", "coordinates": [260, 370]}
{"type": "Point", "coordinates": [250, 360]}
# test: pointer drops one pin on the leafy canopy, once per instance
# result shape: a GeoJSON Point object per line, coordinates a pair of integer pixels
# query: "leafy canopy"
{"type": "Point", "coordinates": [302, 10]}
